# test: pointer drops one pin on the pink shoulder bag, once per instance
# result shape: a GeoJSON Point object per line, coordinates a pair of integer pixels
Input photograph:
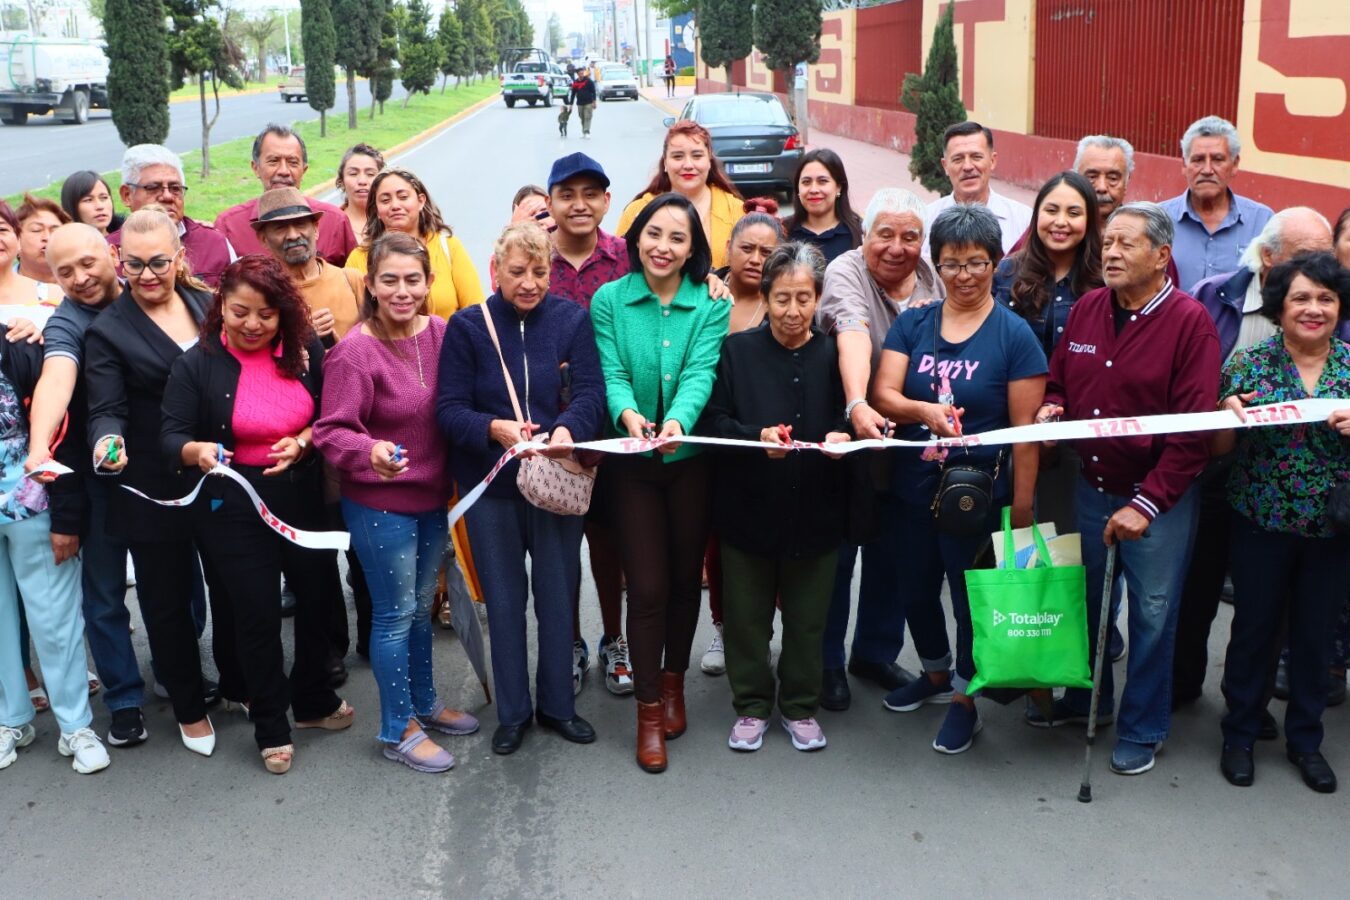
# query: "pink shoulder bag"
{"type": "Point", "coordinates": [559, 486]}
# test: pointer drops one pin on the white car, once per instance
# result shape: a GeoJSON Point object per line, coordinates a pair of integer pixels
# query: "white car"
{"type": "Point", "coordinates": [617, 81]}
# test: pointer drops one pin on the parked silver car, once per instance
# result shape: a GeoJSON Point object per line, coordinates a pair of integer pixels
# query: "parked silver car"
{"type": "Point", "coordinates": [752, 135]}
{"type": "Point", "coordinates": [617, 81]}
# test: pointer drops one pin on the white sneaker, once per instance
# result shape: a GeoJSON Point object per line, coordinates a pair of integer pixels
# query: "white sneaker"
{"type": "Point", "coordinates": [581, 664]}
{"type": "Point", "coordinates": [11, 739]}
{"type": "Point", "coordinates": [714, 660]}
{"type": "Point", "coordinates": [89, 752]}
{"type": "Point", "coordinates": [618, 672]}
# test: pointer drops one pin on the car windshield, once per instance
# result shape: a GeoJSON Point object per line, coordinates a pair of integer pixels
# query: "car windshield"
{"type": "Point", "coordinates": [741, 111]}
{"type": "Point", "coordinates": [618, 73]}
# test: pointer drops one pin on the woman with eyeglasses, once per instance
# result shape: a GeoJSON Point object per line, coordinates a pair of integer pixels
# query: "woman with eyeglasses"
{"type": "Point", "coordinates": [962, 366]}
{"type": "Point", "coordinates": [129, 351]}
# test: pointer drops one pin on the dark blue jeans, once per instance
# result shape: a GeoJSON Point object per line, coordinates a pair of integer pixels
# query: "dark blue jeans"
{"type": "Point", "coordinates": [1155, 570]}
{"type": "Point", "coordinates": [106, 618]}
{"type": "Point", "coordinates": [503, 531]}
{"type": "Point", "coordinates": [1275, 573]}
{"type": "Point", "coordinates": [880, 632]}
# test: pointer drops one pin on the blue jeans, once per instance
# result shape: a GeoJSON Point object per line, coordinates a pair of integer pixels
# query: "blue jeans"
{"type": "Point", "coordinates": [1155, 571]}
{"type": "Point", "coordinates": [53, 598]}
{"type": "Point", "coordinates": [926, 556]}
{"type": "Point", "coordinates": [106, 618]}
{"type": "Point", "coordinates": [401, 555]}
{"type": "Point", "coordinates": [880, 632]}
{"type": "Point", "coordinates": [503, 530]}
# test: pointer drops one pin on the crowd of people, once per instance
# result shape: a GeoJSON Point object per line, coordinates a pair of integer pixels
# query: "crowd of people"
{"type": "Point", "coordinates": [285, 343]}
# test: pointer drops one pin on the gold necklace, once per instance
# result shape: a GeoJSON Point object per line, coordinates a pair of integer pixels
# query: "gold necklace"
{"type": "Point", "coordinates": [417, 350]}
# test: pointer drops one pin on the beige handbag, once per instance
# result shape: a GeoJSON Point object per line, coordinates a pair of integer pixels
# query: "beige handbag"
{"type": "Point", "coordinates": [560, 486]}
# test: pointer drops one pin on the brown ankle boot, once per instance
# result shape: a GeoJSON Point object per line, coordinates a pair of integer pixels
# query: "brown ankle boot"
{"type": "Point", "coordinates": [672, 698]}
{"type": "Point", "coordinates": [651, 738]}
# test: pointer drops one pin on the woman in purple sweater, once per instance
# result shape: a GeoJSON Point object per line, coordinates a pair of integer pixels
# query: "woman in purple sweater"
{"type": "Point", "coordinates": [378, 428]}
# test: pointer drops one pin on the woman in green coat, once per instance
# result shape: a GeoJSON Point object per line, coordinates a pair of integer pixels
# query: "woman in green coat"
{"type": "Point", "coordinates": [660, 336]}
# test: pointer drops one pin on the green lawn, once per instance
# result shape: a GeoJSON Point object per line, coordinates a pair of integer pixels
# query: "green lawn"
{"type": "Point", "coordinates": [232, 180]}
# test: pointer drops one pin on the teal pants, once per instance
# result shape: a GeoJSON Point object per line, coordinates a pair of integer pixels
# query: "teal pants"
{"type": "Point", "coordinates": [751, 587]}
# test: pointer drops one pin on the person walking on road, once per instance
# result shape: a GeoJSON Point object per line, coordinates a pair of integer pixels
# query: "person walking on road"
{"type": "Point", "coordinates": [582, 95]}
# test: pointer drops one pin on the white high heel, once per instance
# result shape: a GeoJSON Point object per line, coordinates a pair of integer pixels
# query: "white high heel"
{"type": "Point", "coordinates": [203, 745]}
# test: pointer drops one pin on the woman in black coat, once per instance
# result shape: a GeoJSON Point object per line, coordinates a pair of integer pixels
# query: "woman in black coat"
{"type": "Point", "coordinates": [780, 520]}
{"type": "Point", "coordinates": [246, 396]}
{"type": "Point", "coordinates": [129, 350]}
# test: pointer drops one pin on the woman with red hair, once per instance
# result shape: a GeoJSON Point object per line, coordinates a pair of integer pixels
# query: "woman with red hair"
{"type": "Point", "coordinates": [689, 167]}
{"type": "Point", "coordinates": [246, 396]}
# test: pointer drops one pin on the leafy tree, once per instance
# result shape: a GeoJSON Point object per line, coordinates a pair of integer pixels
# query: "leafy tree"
{"type": "Point", "coordinates": [138, 70]}
{"type": "Point", "coordinates": [261, 32]}
{"type": "Point", "coordinates": [511, 26]}
{"type": "Point", "coordinates": [199, 48]}
{"type": "Point", "coordinates": [479, 37]}
{"type": "Point", "coordinates": [358, 42]}
{"type": "Point", "coordinates": [787, 32]}
{"type": "Point", "coordinates": [555, 34]}
{"type": "Point", "coordinates": [316, 30]}
{"type": "Point", "coordinates": [381, 74]}
{"type": "Point", "coordinates": [935, 99]}
{"type": "Point", "coordinates": [726, 32]}
{"type": "Point", "coordinates": [454, 49]}
{"type": "Point", "coordinates": [419, 53]}
{"type": "Point", "coordinates": [669, 9]}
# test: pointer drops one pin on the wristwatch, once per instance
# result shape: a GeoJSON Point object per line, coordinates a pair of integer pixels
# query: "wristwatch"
{"type": "Point", "coordinates": [304, 444]}
{"type": "Point", "coordinates": [852, 405]}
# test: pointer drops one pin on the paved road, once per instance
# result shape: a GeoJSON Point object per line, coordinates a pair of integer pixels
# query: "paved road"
{"type": "Point", "coordinates": [877, 813]}
{"type": "Point", "coordinates": [45, 150]}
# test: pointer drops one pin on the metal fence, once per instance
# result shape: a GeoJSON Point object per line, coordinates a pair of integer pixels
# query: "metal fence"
{"type": "Point", "coordinates": [888, 43]}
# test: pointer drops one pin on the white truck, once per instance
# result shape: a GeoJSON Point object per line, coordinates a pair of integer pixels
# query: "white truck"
{"type": "Point", "coordinates": [38, 75]}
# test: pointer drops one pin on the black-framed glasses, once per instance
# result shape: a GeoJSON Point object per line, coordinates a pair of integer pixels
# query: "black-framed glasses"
{"type": "Point", "coordinates": [975, 267]}
{"type": "Point", "coordinates": [160, 187]}
{"type": "Point", "coordinates": [159, 265]}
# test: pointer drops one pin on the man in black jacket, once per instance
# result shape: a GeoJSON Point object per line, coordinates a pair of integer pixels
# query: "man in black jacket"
{"type": "Point", "coordinates": [582, 95]}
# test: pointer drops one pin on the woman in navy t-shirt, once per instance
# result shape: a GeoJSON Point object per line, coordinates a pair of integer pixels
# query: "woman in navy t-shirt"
{"type": "Point", "coordinates": [972, 363]}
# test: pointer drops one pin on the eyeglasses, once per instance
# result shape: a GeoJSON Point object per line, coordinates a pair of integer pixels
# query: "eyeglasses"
{"type": "Point", "coordinates": [160, 187]}
{"type": "Point", "coordinates": [134, 267]}
{"type": "Point", "coordinates": [976, 268]}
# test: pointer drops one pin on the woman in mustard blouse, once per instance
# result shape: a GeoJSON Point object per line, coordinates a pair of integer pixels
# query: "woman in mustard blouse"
{"type": "Point", "coordinates": [659, 336]}
{"type": "Point", "coordinates": [689, 168]}
{"type": "Point", "coordinates": [401, 203]}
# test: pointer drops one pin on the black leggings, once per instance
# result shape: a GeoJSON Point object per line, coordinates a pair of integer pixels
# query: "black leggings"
{"type": "Point", "coordinates": [660, 511]}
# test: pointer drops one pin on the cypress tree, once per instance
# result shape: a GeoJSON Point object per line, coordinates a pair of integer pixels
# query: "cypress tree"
{"type": "Point", "coordinates": [450, 36]}
{"type": "Point", "coordinates": [138, 70]}
{"type": "Point", "coordinates": [381, 72]}
{"type": "Point", "coordinates": [726, 33]}
{"type": "Point", "coordinates": [419, 54]}
{"type": "Point", "coordinates": [935, 99]}
{"type": "Point", "coordinates": [358, 42]}
{"type": "Point", "coordinates": [787, 32]}
{"type": "Point", "coordinates": [316, 30]}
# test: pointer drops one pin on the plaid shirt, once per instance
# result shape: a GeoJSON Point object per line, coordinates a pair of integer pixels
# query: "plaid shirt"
{"type": "Point", "coordinates": [608, 262]}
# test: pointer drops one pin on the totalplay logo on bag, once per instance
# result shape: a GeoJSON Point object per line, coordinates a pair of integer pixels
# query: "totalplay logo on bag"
{"type": "Point", "coordinates": [1044, 623]}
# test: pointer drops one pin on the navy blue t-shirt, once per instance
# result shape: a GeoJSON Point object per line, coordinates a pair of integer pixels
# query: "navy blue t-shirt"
{"type": "Point", "coordinates": [1002, 350]}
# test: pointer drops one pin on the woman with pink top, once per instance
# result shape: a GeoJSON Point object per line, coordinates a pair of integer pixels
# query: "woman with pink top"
{"type": "Point", "coordinates": [378, 429]}
{"type": "Point", "coordinates": [245, 396]}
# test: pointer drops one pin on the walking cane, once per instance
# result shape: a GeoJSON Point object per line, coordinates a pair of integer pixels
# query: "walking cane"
{"type": "Point", "coordinates": [1085, 789]}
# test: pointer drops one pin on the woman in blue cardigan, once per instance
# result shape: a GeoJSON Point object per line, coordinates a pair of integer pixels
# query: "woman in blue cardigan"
{"type": "Point", "coordinates": [659, 336]}
{"type": "Point", "coordinates": [547, 344]}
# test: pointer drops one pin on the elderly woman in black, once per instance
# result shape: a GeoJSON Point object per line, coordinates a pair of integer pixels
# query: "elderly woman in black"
{"type": "Point", "coordinates": [780, 522]}
{"type": "Point", "coordinates": [1290, 558]}
{"type": "Point", "coordinates": [246, 396]}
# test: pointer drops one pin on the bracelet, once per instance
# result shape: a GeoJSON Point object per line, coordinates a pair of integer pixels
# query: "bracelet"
{"type": "Point", "coordinates": [852, 405]}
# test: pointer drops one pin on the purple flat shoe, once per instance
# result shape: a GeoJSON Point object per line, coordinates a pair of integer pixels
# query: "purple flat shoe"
{"type": "Point", "coordinates": [403, 752]}
{"type": "Point", "coordinates": [456, 722]}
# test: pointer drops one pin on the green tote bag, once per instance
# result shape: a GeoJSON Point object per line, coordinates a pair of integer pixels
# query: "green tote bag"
{"type": "Point", "coordinates": [1029, 625]}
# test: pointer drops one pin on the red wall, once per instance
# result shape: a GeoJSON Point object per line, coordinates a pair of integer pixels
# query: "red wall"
{"type": "Point", "coordinates": [889, 44]}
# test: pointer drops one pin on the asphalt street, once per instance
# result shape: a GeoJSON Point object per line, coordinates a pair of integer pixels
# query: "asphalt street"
{"type": "Point", "coordinates": [45, 150]}
{"type": "Point", "coordinates": [876, 813]}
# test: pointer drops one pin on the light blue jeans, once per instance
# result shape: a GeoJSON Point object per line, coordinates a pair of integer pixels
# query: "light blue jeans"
{"type": "Point", "coordinates": [52, 598]}
{"type": "Point", "coordinates": [401, 555]}
{"type": "Point", "coordinates": [1155, 569]}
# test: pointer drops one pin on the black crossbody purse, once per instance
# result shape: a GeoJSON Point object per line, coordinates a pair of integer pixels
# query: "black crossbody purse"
{"type": "Point", "coordinates": [965, 493]}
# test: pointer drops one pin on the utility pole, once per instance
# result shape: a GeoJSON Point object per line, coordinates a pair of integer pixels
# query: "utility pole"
{"type": "Point", "coordinates": [651, 50]}
{"type": "Point", "coordinates": [614, 27]}
{"type": "Point", "coordinates": [637, 38]}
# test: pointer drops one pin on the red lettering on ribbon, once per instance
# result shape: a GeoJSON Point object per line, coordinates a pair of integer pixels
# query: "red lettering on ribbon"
{"type": "Point", "coordinates": [1115, 427]}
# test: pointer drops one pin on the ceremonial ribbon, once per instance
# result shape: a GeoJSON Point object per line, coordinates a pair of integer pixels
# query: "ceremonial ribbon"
{"type": "Point", "coordinates": [1299, 412]}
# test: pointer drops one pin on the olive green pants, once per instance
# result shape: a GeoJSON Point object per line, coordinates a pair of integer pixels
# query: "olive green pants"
{"type": "Point", "coordinates": [751, 585]}
{"type": "Point", "coordinates": [585, 110]}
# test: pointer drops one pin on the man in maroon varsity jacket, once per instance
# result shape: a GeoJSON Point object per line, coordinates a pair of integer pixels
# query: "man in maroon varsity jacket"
{"type": "Point", "coordinates": [1137, 347]}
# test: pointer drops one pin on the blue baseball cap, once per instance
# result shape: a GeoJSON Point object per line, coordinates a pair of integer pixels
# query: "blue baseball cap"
{"type": "Point", "coordinates": [575, 164]}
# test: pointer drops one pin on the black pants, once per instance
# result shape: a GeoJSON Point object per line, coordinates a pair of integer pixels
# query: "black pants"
{"type": "Point", "coordinates": [250, 559]}
{"type": "Point", "coordinates": [660, 510]}
{"type": "Point", "coordinates": [166, 577]}
{"type": "Point", "coordinates": [1204, 584]}
{"type": "Point", "coordinates": [1272, 571]}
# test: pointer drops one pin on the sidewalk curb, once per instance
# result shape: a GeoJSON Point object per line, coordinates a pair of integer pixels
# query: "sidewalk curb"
{"type": "Point", "coordinates": [661, 104]}
{"type": "Point", "coordinates": [415, 140]}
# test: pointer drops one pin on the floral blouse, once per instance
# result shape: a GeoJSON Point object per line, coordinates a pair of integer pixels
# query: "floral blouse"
{"type": "Point", "coordinates": [20, 497]}
{"type": "Point", "coordinates": [1283, 473]}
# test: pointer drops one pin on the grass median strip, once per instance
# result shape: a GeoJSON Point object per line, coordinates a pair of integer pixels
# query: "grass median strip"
{"type": "Point", "coordinates": [232, 179]}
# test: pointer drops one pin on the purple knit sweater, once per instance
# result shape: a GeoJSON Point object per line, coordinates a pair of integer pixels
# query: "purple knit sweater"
{"type": "Point", "coordinates": [371, 394]}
